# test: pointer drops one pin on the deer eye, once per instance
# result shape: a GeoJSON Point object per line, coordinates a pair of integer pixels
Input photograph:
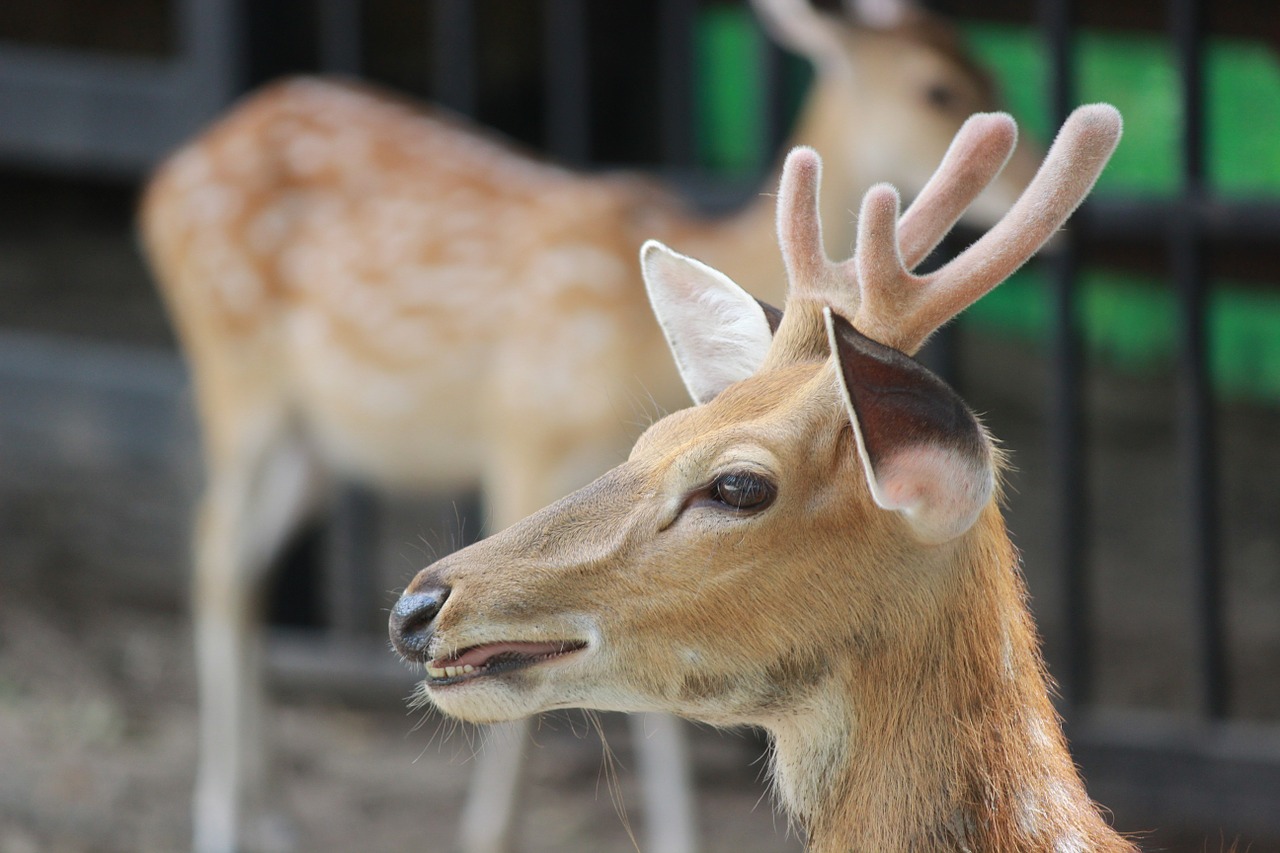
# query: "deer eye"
{"type": "Point", "coordinates": [941, 96]}
{"type": "Point", "coordinates": [743, 491]}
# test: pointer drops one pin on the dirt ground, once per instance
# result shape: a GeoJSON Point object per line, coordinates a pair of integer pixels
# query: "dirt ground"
{"type": "Point", "coordinates": [97, 721]}
{"type": "Point", "coordinates": [97, 725]}
{"type": "Point", "coordinates": [97, 746]}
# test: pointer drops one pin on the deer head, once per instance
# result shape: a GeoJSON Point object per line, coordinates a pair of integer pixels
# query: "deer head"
{"type": "Point", "coordinates": [891, 65]}
{"type": "Point", "coordinates": [816, 548]}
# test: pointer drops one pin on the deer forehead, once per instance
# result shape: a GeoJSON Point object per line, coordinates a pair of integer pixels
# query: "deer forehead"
{"type": "Point", "coordinates": [770, 421]}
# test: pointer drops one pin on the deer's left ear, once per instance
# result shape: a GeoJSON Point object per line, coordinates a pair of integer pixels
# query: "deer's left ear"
{"type": "Point", "coordinates": [924, 453]}
{"type": "Point", "coordinates": [718, 332]}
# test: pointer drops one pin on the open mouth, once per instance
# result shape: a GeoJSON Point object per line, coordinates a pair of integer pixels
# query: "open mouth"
{"type": "Point", "coordinates": [495, 658]}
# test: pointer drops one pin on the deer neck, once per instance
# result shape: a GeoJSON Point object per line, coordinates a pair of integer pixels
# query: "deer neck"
{"type": "Point", "coordinates": [950, 744]}
{"type": "Point", "coordinates": [744, 244]}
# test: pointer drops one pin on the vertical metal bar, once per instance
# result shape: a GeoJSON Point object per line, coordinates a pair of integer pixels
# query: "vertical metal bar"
{"type": "Point", "coordinates": [350, 602]}
{"type": "Point", "coordinates": [676, 22]}
{"type": "Point", "coordinates": [1067, 403]}
{"type": "Point", "coordinates": [567, 91]}
{"type": "Point", "coordinates": [211, 40]}
{"type": "Point", "coordinates": [456, 79]}
{"type": "Point", "coordinates": [1195, 403]}
{"type": "Point", "coordinates": [341, 39]}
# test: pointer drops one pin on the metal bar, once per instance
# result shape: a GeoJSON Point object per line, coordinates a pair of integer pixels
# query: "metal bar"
{"type": "Point", "coordinates": [1195, 402]}
{"type": "Point", "coordinates": [1067, 402]}
{"type": "Point", "coordinates": [341, 36]}
{"type": "Point", "coordinates": [349, 597]}
{"type": "Point", "coordinates": [359, 670]}
{"type": "Point", "coordinates": [677, 19]}
{"type": "Point", "coordinates": [87, 113]}
{"type": "Point", "coordinates": [567, 93]}
{"type": "Point", "coordinates": [1162, 770]}
{"type": "Point", "coordinates": [1242, 221]}
{"type": "Point", "coordinates": [456, 79]}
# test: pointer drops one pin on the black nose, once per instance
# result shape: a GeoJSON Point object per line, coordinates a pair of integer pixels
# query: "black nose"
{"type": "Point", "coordinates": [411, 621]}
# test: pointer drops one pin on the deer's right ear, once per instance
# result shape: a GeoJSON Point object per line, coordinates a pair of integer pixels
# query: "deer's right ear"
{"type": "Point", "coordinates": [923, 452]}
{"type": "Point", "coordinates": [718, 332]}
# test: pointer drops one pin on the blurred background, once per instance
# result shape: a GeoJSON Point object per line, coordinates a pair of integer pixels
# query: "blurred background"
{"type": "Point", "coordinates": [1135, 377]}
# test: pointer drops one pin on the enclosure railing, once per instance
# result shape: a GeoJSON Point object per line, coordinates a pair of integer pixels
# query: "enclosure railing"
{"type": "Point", "coordinates": [92, 112]}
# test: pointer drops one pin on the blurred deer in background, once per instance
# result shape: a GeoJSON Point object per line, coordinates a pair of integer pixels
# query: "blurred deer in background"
{"type": "Point", "coordinates": [369, 291]}
{"type": "Point", "coordinates": [816, 548]}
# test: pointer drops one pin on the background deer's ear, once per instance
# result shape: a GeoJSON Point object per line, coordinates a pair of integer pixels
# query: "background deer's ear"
{"type": "Point", "coordinates": [718, 332]}
{"type": "Point", "coordinates": [924, 453]}
{"type": "Point", "coordinates": [799, 27]}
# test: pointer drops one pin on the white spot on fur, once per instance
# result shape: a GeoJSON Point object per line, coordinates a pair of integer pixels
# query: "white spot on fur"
{"type": "Point", "coordinates": [1069, 843]}
{"type": "Point", "coordinates": [307, 153]}
{"type": "Point", "coordinates": [190, 168]}
{"type": "Point", "coordinates": [1030, 815]}
{"type": "Point", "coordinates": [1037, 808]}
{"type": "Point", "coordinates": [1039, 734]}
{"type": "Point", "coordinates": [266, 231]}
{"type": "Point", "coordinates": [212, 204]}
{"type": "Point", "coordinates": [577, 265]}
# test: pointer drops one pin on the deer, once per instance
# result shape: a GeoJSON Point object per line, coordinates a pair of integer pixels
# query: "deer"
{"type": "Point", "coordinates": [349, 276]}
{"type": "Point", "coordinates": [815, 548]}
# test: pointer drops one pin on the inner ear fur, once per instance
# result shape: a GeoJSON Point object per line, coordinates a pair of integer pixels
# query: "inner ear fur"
{"type": "Point", "coordinates": [719, 334]}
{"type": "Point", "coordinates": [923, 451]}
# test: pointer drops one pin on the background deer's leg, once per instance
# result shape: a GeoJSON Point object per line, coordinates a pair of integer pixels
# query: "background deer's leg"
{"type": "Point", "coordinates": [520, 481]}
{"type": "Point", "coordinates": [254, 498]}
{"type": "Point", "coordinates": [662, 760]}
{"type": "Point", "coordinates": [496, 781]}
{"type": "Point", "coordinates": [511, 491]}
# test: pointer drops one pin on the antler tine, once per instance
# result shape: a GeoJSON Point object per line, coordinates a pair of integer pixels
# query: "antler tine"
{"type": "Point", "coordinates": [888, 246]}
{"type": "Point", "coordinates": [800, 226]}
{"type": "Point", "coordinates": [978, 153]}
{"type": "Point", "coordinates": [902, 310]}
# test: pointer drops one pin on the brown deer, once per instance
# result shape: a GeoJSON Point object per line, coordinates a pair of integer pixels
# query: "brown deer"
{"type": "Point", "coordinates": [368, 290]}
{"type": "Point", "coordinates": [817, 548]}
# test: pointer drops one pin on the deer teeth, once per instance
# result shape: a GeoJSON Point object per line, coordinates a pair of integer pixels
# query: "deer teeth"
{"type": "Point", "coordinates": [450, 671]}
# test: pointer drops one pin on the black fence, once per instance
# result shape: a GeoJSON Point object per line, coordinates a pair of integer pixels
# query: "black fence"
{"type": "Point", "coordinates": [1203, 765]}
{"type": "Point", "coordinates": [1201, 768]}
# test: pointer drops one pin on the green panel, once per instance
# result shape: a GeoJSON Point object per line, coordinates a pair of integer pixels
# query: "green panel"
{"type": "Point", "coordinates": [728, 93]}
{"type": "Point", "coordinates": [1136, 73]}
{"type": "Point", "coordinates": [1243, 113]}
{"type": "Point", "coordinates": [1017, 60]}
{"type": "Point", "coordinates": [1129, 322]}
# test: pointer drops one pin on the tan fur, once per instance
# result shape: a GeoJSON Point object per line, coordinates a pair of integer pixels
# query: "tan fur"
{"type": "Point", "coordinates": [901, 679]}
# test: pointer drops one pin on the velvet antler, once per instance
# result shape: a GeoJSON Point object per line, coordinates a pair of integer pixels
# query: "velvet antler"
{"type": "Point", "coordinates": [876, 287]}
